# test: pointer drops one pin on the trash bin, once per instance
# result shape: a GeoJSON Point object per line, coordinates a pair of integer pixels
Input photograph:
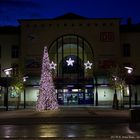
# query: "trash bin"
{"type": "Point", "coordinates": [135, 115]}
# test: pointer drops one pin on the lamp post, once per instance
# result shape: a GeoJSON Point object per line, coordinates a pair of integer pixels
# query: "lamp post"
{"type": "Point", "coordinates": [129, 72]}
{"type": "Point", "coordinates": [96, 93]}
{"type": "Point", "coordinates": [115, 99]}
{"type": "Point", "coordinates": [7, 73]}
{"type": "Point", "coordinates": [24, 80]}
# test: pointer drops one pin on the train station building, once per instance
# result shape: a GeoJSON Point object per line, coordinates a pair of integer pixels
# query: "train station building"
{"type": "Point", "coordinates": [83, 50]}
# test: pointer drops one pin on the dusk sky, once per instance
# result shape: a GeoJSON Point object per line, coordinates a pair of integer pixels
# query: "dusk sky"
{"type": "Point", "coordinates": [12, 10]}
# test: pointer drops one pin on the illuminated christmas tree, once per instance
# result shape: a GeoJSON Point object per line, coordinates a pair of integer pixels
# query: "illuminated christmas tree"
{"type": "Point", "coordinates": [47, 99]}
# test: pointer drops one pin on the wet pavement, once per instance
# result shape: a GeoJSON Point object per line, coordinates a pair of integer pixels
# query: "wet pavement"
{"type": "Point", "coordinates": [68, 123]}
{"type": "Point", "coordinates": [68, 131]}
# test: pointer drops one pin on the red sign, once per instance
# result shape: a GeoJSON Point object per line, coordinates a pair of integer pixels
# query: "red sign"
{"type": "Point", "coordinates": [107, 36]}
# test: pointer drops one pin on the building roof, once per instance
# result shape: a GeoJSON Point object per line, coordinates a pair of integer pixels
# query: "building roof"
{"type": "Point", "coordinates": [70, 16]}
{"type": "Point", "coordinates": [67, 16]}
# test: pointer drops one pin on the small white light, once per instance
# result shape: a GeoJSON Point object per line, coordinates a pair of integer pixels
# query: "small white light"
{"type": "Point", "coordinates": [8, 69]}
{"type": "Point", "coordinates": [74, 90]}
{"type": "Point", "coordinates": [129, 68]}
{"type": "Point", "coordinates": [115, 78]}
{"type": "Point", "coordinates": [24, 79]}
{"type": "Point", "coordinates": [7, 72]}
{"type": "Point", "coordinates": [129, 71]}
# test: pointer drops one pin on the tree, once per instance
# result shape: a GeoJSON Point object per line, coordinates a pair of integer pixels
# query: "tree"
{"type": "Point", "coordinates": [117, 82]}
{"type": "Point", "coordinates": [47, 98]}
{"type": "Point", "coordinates": [18, 86]}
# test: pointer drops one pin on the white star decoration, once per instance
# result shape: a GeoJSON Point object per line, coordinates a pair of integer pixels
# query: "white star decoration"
{"type": "Point", "coordinates": [88, 65]}
{"type": "Point", "coordinates": [52, 65]}
{"type": "Point", "coordinates": [70, 62]}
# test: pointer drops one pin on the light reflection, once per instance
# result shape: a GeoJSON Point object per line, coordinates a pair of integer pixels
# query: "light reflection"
{"type": "Point", "coordinates": [66, 130]}
{"type": "Point", "coordinates": [89, 135]}
{"type": "Point", "coordinates": [7, 136]}
{"type": "Point", "coordinates": [129, 130]}
{"type": "Point", "coordinates": [8, 131]}
{"type": "Point", "coordinates": [71, 135]}
{"type": "Point", "coordinates": [25, 136]}
{"type": "Point", "coordinates": [127, 90]}
{"type": "Point", "coordinates": [43, 136]}
{"type": "Point", "coordinates": [52, 131]}
{"type": "Point", "coordinates": [71, 131]}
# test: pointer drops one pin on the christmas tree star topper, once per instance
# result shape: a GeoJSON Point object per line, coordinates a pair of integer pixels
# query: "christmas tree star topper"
{"type": "Point", "coordinates": [70, 62]}
{"type": "Point", "coordinates": [88, 65]}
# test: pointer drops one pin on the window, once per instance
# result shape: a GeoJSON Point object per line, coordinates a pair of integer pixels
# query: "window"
{"type": "Point", "coordinates": [126, 50]}
{"type": "Point", "coordinates": [74, 47]}
{"type": "Point", "coordinates": [15, 51]}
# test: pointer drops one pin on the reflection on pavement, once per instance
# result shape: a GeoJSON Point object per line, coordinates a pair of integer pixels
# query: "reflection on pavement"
{"type": "Point", "coordinates": [67, 130]}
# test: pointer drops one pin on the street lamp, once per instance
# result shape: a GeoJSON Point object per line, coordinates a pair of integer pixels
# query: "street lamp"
{"type": "Point", "coordinates": [115, 99]}
{"type": "Point", "coordinates": [129, 72]}
{"type": "Point", "coordinates": [96, 93]}
{"type": "Point", "coordinates": [7, 73]}
{"type": "Point", "coordinates": [24, 80]}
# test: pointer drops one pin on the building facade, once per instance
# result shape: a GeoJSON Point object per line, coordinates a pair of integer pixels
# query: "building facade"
{"type": "Point", "coordinates": [93, 45]}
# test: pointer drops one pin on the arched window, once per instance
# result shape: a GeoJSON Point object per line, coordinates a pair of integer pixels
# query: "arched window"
{"type": "Point", "coordinates": [74, 47]}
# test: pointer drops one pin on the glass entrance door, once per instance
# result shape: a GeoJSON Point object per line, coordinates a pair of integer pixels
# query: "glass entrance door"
{"type": "Point", "coordinates": [75, 96]}
{"type": "Point", "coordinates": [81, 98]}
{"type": "Point", "coordinates": [89, 96]}
{"type": "Point", "coordinates": [72, 99]}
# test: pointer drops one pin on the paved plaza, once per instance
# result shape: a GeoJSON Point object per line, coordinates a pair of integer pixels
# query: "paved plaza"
{"type": "Point", "coordinates": [74, 123]}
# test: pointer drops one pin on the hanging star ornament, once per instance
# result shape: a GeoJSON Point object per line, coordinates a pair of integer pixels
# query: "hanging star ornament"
{"type": "Point", "coordinates": [88, 65]}
{"type": "Point", "coordinates": [70, 62]}
{"type": "Point", "coordinates": [53, 65]}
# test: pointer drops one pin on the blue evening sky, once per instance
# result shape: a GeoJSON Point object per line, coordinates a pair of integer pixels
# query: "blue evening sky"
{"type": "Point", "coordinates": [12, 10]}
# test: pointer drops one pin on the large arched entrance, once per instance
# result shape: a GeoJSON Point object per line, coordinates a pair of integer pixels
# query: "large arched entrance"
{"type": "Point", "coordinates": [74, 83]}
